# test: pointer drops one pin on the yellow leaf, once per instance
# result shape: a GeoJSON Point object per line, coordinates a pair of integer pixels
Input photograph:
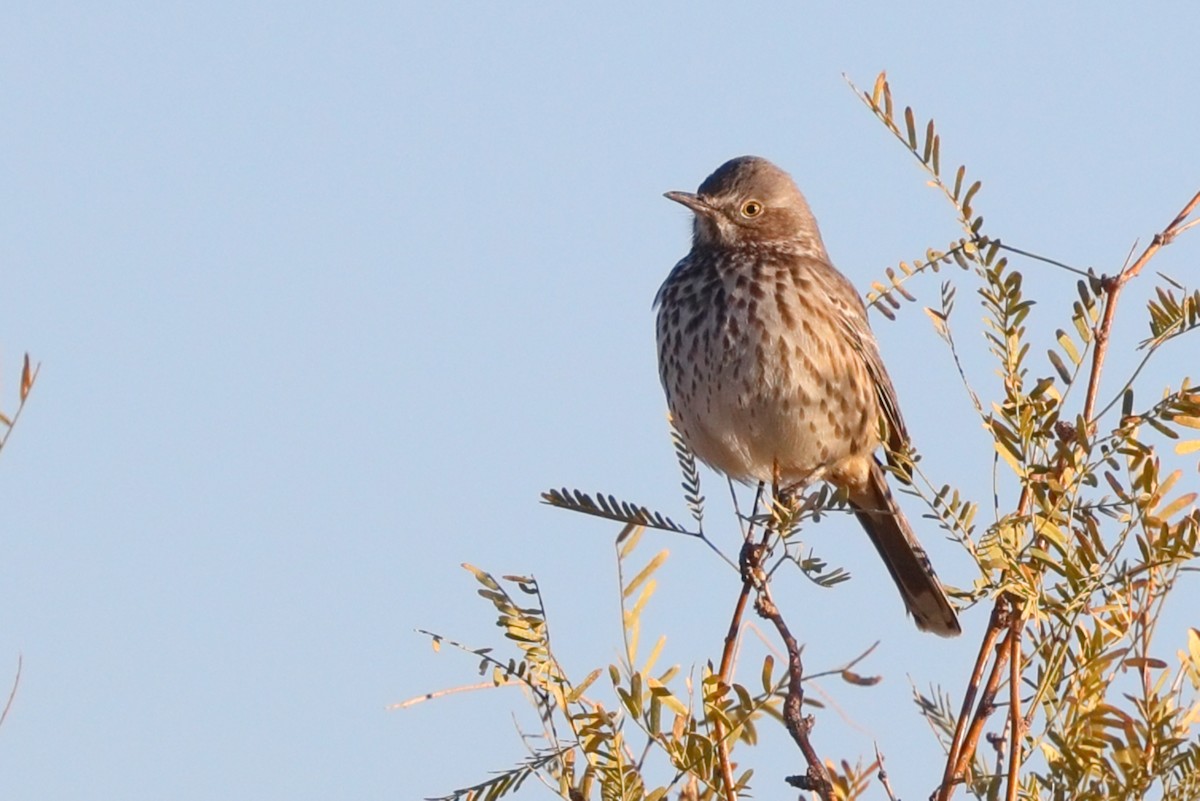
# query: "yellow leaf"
{"type": "Point", "coordinates": [629, 536]}
{"type": "Point", "coordinates": [481, 576]}
{"type": "Point", "coordinates": [1009, 456]}
{"type": "Point", "coordinates": [650, 660]}
{"type": "Point", "coordinates": [1176, 506]}
{"type": "Point", "coordinates": [578, 691]}
{"type": "Point", "coordinates": [879, 89]}
{"type": "Point", "coordinates": [666, 697]}
{"type": "Point", "coordinates": [636, 610]}
{"type": "Point", "coordinates": [939, 321]}
{"type": "Point", "coordinates": [1140, 662]}
{"type": "Point", "coordinates": [1190, 446]}
{"type": "Point", "coordinates": [1192, 658]}
{"type": "Point", "coordinates": [645, 572]}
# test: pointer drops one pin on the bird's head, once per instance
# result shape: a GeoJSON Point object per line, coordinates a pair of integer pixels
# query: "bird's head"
{"type": "Point", "coordinates": [750, 200]}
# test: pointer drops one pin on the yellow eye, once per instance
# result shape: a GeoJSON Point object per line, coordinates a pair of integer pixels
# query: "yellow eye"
{"type": "Point", "coordinates": [752, 208]}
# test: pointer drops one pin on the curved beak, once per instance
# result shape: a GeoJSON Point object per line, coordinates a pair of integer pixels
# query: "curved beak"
{"type": "Point", "coordinates": [692, 201]}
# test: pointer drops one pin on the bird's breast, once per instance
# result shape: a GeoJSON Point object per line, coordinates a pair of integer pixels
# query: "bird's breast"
{"type": "Point", "coordinates": [758, 375]}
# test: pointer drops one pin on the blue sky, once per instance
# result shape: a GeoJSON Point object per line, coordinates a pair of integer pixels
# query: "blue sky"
{"type": "Point", "coordinates": [325, 295]}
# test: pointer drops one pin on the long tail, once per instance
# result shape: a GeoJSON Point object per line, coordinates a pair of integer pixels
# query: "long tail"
{"type": "Point", "coordinates": [906, 560]}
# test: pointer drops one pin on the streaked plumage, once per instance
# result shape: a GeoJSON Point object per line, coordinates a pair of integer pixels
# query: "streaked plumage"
{"type": "Point", "coordinates": [769, 363]}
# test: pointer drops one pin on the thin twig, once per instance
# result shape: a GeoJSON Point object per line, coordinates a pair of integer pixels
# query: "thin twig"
{"type": "Point", "coordinates": [1015, 729]}
{"type": "Point", "coordinates": [816, 779]}
{"type": "Point", "coordinates": [1112, 290]}
{"type": "Point", "coordinates": [542, 695]}
{"type": "Point", "coordinates": [724, 674]}
{"type": "Point", "coordinates": [1036, 257]}
{"type": "Point", "coordinates": [882, 775]}
{"type": "Point", "coordinates": [420, 699]}
{"type": "Point", "coordinates": [997, 742]}
{"type": "Point", "coordinates": [987, 704]}
{"type": "Point", "coordinates": [837, 671]}
{"type": "Point", "coordinates": [962, 374]}
{"type": "Point", "coordinates": [28, 379]}
{"type": "Point", "coordinates": [754, 576]}
{"type": "Point", "coordinates": [735, 623]}
{"type": "Point", "coordinates": [736, 510]}
{"type": "Point", "coordinates": [995, 626]}
{"type": "Point", "coordinates": [12, 694]}
{"type": "Point", "coordinates": [968, 738]}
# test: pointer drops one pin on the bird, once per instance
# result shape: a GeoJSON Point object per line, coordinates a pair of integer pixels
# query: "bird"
{"type": "Point", "coordinates": [771, 370]}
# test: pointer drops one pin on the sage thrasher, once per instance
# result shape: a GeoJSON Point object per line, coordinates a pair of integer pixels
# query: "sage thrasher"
{"type": "Point", "coordinates": [770, 368]}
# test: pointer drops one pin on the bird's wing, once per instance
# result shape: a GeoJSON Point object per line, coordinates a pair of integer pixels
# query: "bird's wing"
{"type": "Point", "coordinates": [853, 317]}
{"type": "Point", "coordinates": [897, 433]}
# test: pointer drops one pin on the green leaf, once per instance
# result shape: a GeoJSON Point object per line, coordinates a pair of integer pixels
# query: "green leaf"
{"type": "Point", "coordinates": [1176, 506]}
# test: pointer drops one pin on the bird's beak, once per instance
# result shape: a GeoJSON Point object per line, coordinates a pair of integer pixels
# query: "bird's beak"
{"type": "Point", "coordinates": [690, 200]}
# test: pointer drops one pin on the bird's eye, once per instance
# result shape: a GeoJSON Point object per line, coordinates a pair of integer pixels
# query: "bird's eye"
{"type": "Point", "coordinates": [752, 208]}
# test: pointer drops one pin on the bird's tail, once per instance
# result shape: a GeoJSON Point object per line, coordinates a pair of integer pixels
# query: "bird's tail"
{"type": "Point", "coordinates": [876, 509]}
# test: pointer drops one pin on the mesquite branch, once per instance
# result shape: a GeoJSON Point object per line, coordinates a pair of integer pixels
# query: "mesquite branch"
{"type": "Point", "coordinates": [1007, 616]}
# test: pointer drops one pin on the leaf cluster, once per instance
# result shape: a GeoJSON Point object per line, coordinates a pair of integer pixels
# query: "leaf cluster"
{"type": "Point", "coordinates": [1095, 539]}
{"type": "Point", "coordinates": [661, 722]}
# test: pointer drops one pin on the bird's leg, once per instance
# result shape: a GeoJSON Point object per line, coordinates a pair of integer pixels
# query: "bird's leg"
{"type": "Point", "coordinates": [784, 495]}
